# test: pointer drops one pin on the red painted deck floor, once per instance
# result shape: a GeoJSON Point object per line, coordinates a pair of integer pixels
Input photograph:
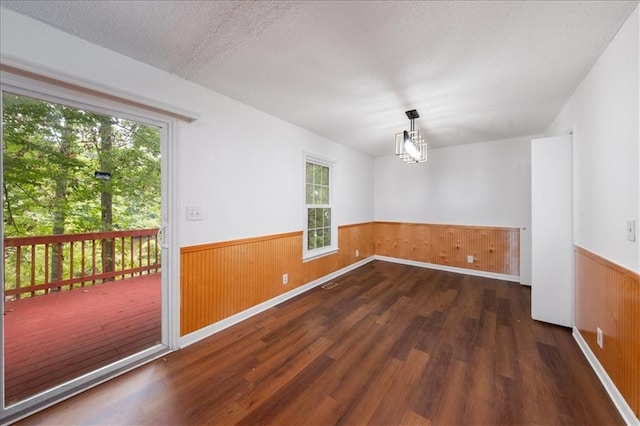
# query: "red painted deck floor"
{"type": "Point", "coordinates": [53, 338]}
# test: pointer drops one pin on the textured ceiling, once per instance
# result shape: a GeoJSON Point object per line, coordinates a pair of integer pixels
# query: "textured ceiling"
{"type": "Point", "coordinates": [475, 71]}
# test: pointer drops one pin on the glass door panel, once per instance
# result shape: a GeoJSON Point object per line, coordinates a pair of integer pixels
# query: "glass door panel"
{"type": "Point", "coordinates": [82, 256]}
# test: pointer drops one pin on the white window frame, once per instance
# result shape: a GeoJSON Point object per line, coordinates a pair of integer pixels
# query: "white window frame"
{"type": "Point", "coordinates": [333, 247]}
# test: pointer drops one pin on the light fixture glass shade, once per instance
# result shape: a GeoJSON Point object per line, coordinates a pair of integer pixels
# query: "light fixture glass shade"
{"type": "Point", "coordinates": [410, 147]}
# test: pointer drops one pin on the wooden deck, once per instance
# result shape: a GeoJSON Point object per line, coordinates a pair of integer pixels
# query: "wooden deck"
{"type": "Point", "coordinates": [53, 338]}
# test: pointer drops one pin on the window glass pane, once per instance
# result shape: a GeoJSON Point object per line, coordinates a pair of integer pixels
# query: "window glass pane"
{"type": "Point", "coordinates": [311, 218]}
{"type": "Point", "coordinates": [320, 218]}
{"type": "Point", "coordinates": [324, 176]}
{"type": "Point", "coordinates": [323, 196]}
{"type": "Point", "coordinates": [309, 173]}
{"type": "Point", "coordinates": [309, 197]}
{"type": "Point", "coordinates": [311, 241]}
{"type": "Point", "coordinates": [320, 238]}
{"type": "Point", "coordinates": [327, 237]}
{"type": "Point", "coordinates": [327, 217]}
{"type": "Point", "coordinates": [317, 173]}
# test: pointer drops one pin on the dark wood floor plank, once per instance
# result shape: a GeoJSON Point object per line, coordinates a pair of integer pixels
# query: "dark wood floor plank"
{"type": "Point", "coordinates": [397, 312]}
{"type": "Point", "coordinates": [390, 344]}
{"type": "Point", "coordinates": [327, 412]}
{"type": "Point", "coordinates": [343, 343]}
{"type": "Point", "coordinates": [466, 340]}
{"type": "Point", "coordinates": [425, 397]}
{"type": "Point", "coordinates": [353, 383]}
{"type": "Point", "coordinates": [363, 354]}
{"type": "Point", "coordinates": [394, 403]}
{"type": "Point", "coordinates": [265, 412]}
{"type": "Point", "coordinates": [448, 408]}
{"type": "Point", "coordinates": [299, 335]}
{"type": "Point", "coordinates": [264, 388]}
{"type": "Point", "coordinates": [479, 408]}
{"type": "Point", "coordinates": [363, 408]}
{"type": "Point", "coordinates": [428, 339]}
{"type": "Point", "coordinates": [506, 352]}
{"type": "Point", "coordinates": [407, 338]}
{"type": "Point", "coordinates": [412, 418]}
{"type": "Point", "coordinates": [508, 406]}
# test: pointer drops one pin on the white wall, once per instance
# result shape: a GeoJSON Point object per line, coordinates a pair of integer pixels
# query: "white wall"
{"type": "Point", "coordinates": [484, 184]}
{"type": "Point", "coordinates": [603, 114]}
{"type": "Point", "coordinates": [243, 166]}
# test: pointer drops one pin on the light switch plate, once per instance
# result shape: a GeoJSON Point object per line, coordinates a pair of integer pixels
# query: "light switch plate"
{"type": "Point", "coordinates": [631, 230]}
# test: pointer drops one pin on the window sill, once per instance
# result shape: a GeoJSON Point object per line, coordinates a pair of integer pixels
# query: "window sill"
{"type": "Point", "coordinates": [318, 254]}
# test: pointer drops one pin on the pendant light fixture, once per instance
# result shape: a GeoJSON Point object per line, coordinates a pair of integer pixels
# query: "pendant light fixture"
{"type": "Point", "coordinates": [410, 147]}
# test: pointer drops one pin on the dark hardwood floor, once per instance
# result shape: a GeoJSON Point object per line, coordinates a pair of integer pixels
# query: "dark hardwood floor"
{"type": "Point", "coordinates": [391, 344]}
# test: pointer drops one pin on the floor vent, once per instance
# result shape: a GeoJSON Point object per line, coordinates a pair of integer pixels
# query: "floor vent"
{"type": "Point", "coordinates": [330, 285]}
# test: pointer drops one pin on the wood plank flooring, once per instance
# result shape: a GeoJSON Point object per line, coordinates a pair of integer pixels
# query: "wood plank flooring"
{"type": "Point", "coordinates": [391, 344]}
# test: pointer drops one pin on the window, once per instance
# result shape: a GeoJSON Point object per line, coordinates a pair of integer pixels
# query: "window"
{"type": "Point", "coordinates": [319, 233]}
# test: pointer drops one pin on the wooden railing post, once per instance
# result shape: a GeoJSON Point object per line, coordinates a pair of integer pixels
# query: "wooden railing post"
{"type": "Point", "coordinates": [56, 264]}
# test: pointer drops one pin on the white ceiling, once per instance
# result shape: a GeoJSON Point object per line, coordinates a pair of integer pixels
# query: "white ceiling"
{"type": "Point", "coordinates": [475, 71]}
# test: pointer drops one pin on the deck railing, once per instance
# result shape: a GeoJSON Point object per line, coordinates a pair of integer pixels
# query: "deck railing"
{"type": "Point", "coordinates": [42, 264]}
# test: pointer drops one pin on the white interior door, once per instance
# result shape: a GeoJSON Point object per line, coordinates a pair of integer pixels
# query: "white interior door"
{"type": "Point", "coordinates": [525, 223]}
{"type": "Point", "coordinates": [552, 260]}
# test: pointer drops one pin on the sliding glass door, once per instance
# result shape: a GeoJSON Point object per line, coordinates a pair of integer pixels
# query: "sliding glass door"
{"type": "Point", "coordinates": [83, 249]}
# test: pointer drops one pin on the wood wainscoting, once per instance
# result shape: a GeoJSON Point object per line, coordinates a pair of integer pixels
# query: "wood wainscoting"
{"type": "Point", "coordinates": [608, 296]}
{"type": "Point", "coordinates": [222, 279]}
{"type": "Point", "coordinates": [493, 249]}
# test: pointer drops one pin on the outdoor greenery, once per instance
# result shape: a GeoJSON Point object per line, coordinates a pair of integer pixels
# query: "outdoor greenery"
{"type": "Point", "coordinates": [69, 170]}
{"type": "Point", "coordinates": [51, 154]}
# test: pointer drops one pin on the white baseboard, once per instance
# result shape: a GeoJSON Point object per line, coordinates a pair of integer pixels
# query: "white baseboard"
{"type": "Point", "coordinates": [618, 400]}
{"type": "Point", "coordinates": [254, 310]}
{"type": "Point", "coordinates": [465, 271]}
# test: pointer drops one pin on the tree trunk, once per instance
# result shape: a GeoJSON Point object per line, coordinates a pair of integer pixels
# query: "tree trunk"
{"type": "Point", "coordinates": [60, 209]}
{"type": "Point", "coordinates": [59, 217]}
{"type": "Point", "coordinates": [106, 194]}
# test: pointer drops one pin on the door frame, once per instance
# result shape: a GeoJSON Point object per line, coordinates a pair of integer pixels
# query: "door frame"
{"type": "Point", "coordinates": [60, 93]}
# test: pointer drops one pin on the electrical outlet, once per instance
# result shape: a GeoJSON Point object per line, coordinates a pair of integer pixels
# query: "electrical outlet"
{"type": "Point", "coordinates": [469, 259]}
{"type": "Point", "coordinates": [599, 337]}
{"type": "Point", "coordinates": [357, 253]}
{"type": "Point", "coordinates": [285, 279]}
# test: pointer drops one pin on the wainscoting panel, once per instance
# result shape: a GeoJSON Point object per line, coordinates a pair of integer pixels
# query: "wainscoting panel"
{"type": "Point", "coordinates": [222, 279]}
{"type": "Point", "coordinates": [608, 296]}
{"type": "Point", "coordinates": [493, 249]}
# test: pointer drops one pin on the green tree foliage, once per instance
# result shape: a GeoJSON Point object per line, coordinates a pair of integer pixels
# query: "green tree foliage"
{"type": "Point", "coordinates": [51, 153]}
